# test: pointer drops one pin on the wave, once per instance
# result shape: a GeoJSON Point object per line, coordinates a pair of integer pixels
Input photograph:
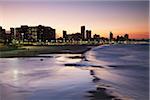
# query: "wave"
{"type": "Point", "coordinates": [126, 68]}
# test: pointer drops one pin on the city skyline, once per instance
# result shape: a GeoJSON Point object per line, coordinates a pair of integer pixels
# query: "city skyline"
{"type": "Point", "coordinates": [101, 17]}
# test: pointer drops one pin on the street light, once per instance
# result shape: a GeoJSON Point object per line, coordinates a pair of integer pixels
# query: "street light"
{"type": "Point", "coordinates": [22, 36]}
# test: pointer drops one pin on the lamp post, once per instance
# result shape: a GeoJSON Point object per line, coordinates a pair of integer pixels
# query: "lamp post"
{"type": "Point", "coordinates": [22, 36]}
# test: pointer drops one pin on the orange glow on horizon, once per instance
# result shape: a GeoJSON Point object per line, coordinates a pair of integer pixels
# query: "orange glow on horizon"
{"type": "Point", "coordinates": [100, 17]}
{"type": "Point", "coordinates": [103, 33]}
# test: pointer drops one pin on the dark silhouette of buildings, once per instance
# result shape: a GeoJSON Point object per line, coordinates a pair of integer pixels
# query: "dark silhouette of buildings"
{"type": "Point", "coordinates": [25, 32]}
{"type": "Point", "coordinates": [48, 34]}
{"type": "Point", "coordinates": [121, 39]}
{"type": "Point", "coordinates": [88, 35]}
{"type": "Point", "coordinates": [34, 33]}
{"type": "Point", "coordinates": [126, 36]}
{"type": "Point", "coordinates": [83, 32]}
{"type": "Point", "coordinates": [5, 37]}
{"type": "Point", "coordinates": [8, 37]}
{"type": "Point", "coordinates": [111, 36]}
{"type": "Point", "coordinates": [65, 35]}
{"type": "Point", "coordinates": [2, 34]}
{"type": "Point", "coordinates": [74, 37]}
{"type": "Point", "coordinates": [96, 37]}
{"type": "Point", "coordinates": [42, 35]}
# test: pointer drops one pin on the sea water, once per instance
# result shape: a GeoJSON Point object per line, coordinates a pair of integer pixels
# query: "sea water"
{"type": "Point", "coordinates": [124, 69]}
{"type": "Point", "coordinates": [43, 78]}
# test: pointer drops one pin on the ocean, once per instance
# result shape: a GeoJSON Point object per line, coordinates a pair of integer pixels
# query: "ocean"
{"type": "Point", "coordinates": [126, 68]}
{"type": "Point", "coordinates": [122, 69]}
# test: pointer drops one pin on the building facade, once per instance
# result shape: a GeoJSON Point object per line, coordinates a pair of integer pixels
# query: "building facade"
{"type": "Point", "coordinates": [33, 33]}
{"type": "Point", "coordinates": [111, 36]}
{"type": "Point", "coordinates": [88, 34]}
{"type": "Point", "coordinates": [83, 32]}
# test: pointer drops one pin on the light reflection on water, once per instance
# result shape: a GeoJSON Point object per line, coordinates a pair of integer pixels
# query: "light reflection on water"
{"type": "Point", "coordinates": [15, 74]}
{"type": "Point", "coordinates": [47, 77]}
{"type": "Point", "coordinates": [127, 68]}
{"type": "Point", "coordinates": [33, 79]}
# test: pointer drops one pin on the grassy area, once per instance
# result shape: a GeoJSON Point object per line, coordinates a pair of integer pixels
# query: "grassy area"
{"type": "Point", "coordinates": [26, 51]}
{"type": "Point", "coordinates": [9, 48]}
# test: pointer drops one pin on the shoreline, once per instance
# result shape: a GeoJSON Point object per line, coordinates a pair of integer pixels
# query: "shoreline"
{"type": "Point", "coordinates": [99, 93]}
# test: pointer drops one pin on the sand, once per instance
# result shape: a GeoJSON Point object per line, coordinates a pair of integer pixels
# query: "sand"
{"type": "Point", "coordinates": [99, 93]}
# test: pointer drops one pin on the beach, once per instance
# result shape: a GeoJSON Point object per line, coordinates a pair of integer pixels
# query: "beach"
{"type": "Point", "coordinates": [74, 50]}
{"type": "Point", "coordinates": [90, 75]}
{"type": "Point", "coordinates": [79, 82]}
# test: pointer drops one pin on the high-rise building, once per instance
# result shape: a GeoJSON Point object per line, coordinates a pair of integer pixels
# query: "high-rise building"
{"type": "Point", "coordinates": [45, 34]}
{"type": "Point", "coordinates": [118, 37]}
{"type": "Point", "coordinates": [12, 31]}
{"type": "Point", "coordinates": [2, 34]}
{"type": "Point", "coordinates": [18, 32]}
{"type": "Point", "coordinates": [126, 37]}
{"type": "Point", "coordinates": [64, 35]}
{"type": "Point", "coordinates": [25, 33]}
{"type": "Point", "coordinates": [88, 34]}
{"type": "Point", "coordinates": [34, 33]}
{"type": "Point", "coordinates": [83, 32]}
{"type": "Point", "coordinates": [111, 36]}
{"type": "Point", "coordinates": [52, 34]}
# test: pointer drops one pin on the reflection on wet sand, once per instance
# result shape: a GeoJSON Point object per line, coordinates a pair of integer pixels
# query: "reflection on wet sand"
{"type": "Point", "coordinates": [35, 79]}
{"type": "Point", "coordinates": [100, 93]}
{"type": "Point", "coordinates": [15, 74]}
{"type": "Point", "coordinates": [96, 79]}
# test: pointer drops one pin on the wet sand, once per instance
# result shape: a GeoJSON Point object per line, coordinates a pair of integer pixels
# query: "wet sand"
{"type": "Point", "coordinates": [51, 79]}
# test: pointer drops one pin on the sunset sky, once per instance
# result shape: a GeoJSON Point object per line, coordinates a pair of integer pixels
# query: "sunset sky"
{"type": "Point", "coordinates": [101, 17]}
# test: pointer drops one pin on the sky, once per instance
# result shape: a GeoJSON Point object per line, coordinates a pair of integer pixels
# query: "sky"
{"type": "Point", "coordinates": [119, 17]}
